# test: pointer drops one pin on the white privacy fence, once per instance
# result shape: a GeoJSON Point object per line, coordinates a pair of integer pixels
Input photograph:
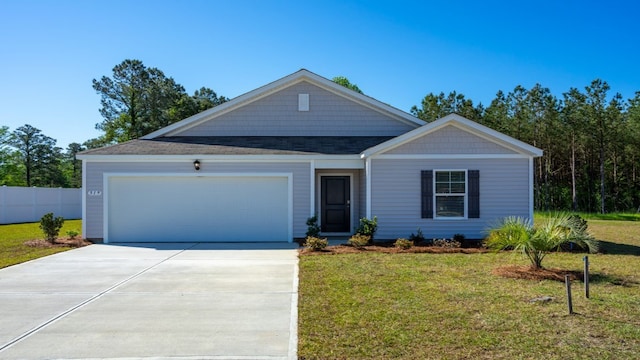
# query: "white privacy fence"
{"type": "Point", "coordinates": [24, 204]}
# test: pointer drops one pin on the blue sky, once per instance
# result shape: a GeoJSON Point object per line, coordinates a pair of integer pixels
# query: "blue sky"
{"type": "Point", "coordinates": [395, 51]}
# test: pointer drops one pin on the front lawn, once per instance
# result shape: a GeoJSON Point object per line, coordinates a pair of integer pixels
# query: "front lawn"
{"type": "Point", "coordinates": [15, 248]}
{"type": "Point", "coordinates": [451, 306]}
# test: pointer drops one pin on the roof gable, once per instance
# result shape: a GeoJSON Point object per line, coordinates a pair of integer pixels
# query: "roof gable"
{"type": "Point", "coordinates": [440, 141]}
{"type": "Point", "coordinates": [263, 110]}
{"type": "Point", "coordinates": [478, 139]}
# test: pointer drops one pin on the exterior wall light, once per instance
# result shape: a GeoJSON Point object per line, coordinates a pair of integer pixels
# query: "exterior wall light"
{"type": "Point", "coordinates": [196, 165]}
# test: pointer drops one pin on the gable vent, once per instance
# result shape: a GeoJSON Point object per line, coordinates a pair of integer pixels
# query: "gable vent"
{"type": "Point", "coordinates": [303, 102]}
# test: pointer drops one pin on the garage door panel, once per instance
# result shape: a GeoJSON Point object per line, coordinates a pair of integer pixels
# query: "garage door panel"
{"type": "Point", "coordinates": [206, 209]}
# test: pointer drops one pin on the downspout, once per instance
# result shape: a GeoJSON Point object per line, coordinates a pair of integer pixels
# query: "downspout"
{"type": "Point", "coordinates": [531, 170]}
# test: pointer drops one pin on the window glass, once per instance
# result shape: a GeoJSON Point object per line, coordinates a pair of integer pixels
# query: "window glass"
{"type": "Point", "coordinates": [442, 188]}
{"type": "Point", "coordinates": [450, 191]}
{"type": "Point", "coordinates": [457, 188]}
{"type": "Point", "coordinates": [457, 176]}
{"type": "Point", "coordinates": [442, 176]}
{"type": "Point", "coordinates": [449, 206]}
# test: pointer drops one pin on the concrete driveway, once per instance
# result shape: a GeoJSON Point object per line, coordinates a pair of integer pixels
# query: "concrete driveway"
{"type": "Point", "coordinates": [187, 300]}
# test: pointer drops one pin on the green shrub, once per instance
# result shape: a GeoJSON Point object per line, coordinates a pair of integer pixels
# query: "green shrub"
{"type": "Point", "coordinates": [536, 242]}
{"type": "Point", "coordinates": [418, 237]}
{"type": "Point", "coordinates": [459, 238]}
{"type": "Point", "coordinates": [368, 227]}
{"type": "Point", "coordinates": [446, 243]}
{"type": "Point", "coordinates": [403, 243]}
{"type": "Point", "coordinates": [359, 240]}
{"type": "Point", "coordinates": [72, 234]}
{"type": "Point", "coordinates": [578, 223]}
{"type": "Point", "coordinates": [315, 243]}
{"type": "Point", "coordinates": [313, 229]}
{"type": "Point", "coordinates": [51, 226]}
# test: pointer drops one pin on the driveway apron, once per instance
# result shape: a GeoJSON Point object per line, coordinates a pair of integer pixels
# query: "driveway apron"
{"type": "Point", "coordinates": [179, 300]}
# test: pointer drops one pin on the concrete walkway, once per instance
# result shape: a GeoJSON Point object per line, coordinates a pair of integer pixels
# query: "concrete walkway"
{"type": "Point", "coordinates": [175, 301]}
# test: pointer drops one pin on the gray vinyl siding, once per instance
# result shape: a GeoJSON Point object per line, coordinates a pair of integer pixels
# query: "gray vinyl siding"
{"type": "Point", "coordinates": [356, 192]}
{"type": "Point", "coordinates": [95, 171]}
{"type": "Point", "coordinates": [278, 115]}
{"type": "Point", "coordinates": [395, 199]}
{"type": "Point", "coordinates": [450, 140]}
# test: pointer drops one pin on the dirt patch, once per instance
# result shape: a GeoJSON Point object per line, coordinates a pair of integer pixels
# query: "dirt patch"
{"type": "Point", "coordinates": [531, 273]}
{"type": "Point", "coordinates": [60, 242]}
{"type": "Point", "coordinates": [346, 249]}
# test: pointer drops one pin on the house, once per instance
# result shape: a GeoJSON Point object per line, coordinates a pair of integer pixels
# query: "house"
{"type": "Point", "coordinates": [256, 167]}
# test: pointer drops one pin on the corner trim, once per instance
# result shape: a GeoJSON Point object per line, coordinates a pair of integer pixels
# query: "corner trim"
{"type": "Point", "coordinates": [84, 199]}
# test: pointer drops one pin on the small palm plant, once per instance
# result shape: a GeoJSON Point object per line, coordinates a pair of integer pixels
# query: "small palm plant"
{"type": "Point", "coordinates": [519, 234]}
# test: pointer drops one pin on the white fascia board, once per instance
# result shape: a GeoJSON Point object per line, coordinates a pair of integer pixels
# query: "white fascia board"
{"type": "Point", "coordinates": [461, 123]}
{"type": "Point", "coordinates": [229, 158]}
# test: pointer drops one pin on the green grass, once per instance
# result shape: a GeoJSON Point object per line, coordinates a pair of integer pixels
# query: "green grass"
{"type": "Point", "coordinates": [12, 238]}
{"type": "Point", "coordinates": [450, 306]}
{"type": "Point", "coordinates": [596, 216]}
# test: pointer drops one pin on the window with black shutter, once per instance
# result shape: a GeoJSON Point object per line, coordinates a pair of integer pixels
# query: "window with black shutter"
{"type": "Point", "coordinates": [427, 194]}
{"type": "Point", "coordinates": [450, 194]}
{"type": "Point", "coordinates": [474, 194]}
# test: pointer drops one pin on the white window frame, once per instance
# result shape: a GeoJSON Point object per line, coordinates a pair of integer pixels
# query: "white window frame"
{"type": "Point", "coordinates": [465, 195]}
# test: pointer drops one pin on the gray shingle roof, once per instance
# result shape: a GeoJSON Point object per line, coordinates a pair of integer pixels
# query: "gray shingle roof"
{"type": "Point", "coordinates": [243, 145]}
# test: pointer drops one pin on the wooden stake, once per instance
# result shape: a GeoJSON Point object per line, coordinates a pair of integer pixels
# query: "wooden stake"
{"type": "Point", "coordinates": [586, 276]}
{"type": "Point", "coordinates": [567, 281]}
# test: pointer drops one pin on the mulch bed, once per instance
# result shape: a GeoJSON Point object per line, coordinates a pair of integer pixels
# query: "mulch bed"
{"type": "Point", "coordinates": [509, 271]}
{"type": "Point", "coordinates": [386, 249]}
{"type": "Point", "coordinates": [530, 273]}
{"type": "Point", "coordinates": [60, 242]}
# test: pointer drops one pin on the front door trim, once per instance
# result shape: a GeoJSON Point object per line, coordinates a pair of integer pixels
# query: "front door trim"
{"type": "Point", "coordinates": [319, 177]}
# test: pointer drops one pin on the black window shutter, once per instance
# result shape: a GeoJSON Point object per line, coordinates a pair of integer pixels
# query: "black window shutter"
{"type": "Point", "coordinates": [427, 194]}
{"type": "Point", "coordinates": [474, 194]}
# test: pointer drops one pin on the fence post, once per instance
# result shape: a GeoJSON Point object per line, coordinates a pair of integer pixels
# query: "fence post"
{"type": "Point", "coordinates": [3, 197]}
{"type": "Point", "coordinates": [60, 199]}
{"type": "Point", "coordinates": [34, 205]}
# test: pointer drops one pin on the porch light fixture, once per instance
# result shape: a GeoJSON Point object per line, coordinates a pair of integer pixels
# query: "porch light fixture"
{"type": "Point", "coordinates": [196, 165]}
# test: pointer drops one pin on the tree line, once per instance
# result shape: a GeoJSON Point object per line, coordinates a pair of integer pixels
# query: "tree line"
{"type": "Point", "coordinates": [135, 101]}
{"type": "Point", "coordinates": [590, 137]}
{"type": "Point", "coordinates": [30, 158]}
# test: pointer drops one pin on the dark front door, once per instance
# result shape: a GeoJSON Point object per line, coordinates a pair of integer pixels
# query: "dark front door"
{"type": "Point", "coordinates": [336, 207]}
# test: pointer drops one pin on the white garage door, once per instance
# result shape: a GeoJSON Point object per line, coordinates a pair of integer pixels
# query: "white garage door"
{"type": "Point", "coordinates": [202, 209]}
